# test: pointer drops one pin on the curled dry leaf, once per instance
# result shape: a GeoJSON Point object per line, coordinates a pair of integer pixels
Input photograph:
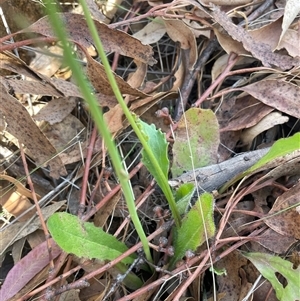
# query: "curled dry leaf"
{"type": "Point", "coordinates": [16, 201]}
{"type": "Point", "coordinates": [292, 8]}
{"type": "Point", "coordinates": [178, 31]}
{"type": "Point", "coordinates": [113, 40]}
{"type": "Point", "coordinates": [266, 123]}
{"type": "Point", "coordinates": [259, 50]}
{"type": "Point", "coordinates": [21, 125]}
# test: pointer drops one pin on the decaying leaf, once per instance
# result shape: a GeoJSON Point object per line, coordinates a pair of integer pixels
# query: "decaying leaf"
{"type": "Point", "coordinates": [180, 32]}
{"type": "Point", "coordinates": [21, 125]}
{"type": "Point", "coordinates": [197, 141]}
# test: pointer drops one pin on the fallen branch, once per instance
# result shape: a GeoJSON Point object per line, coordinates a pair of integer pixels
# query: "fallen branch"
{"type": "Point", "coordinates": [214, 176]}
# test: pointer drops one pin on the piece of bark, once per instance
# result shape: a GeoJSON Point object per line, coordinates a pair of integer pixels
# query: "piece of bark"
{"type": "Point", "coordinates": [214, 176]}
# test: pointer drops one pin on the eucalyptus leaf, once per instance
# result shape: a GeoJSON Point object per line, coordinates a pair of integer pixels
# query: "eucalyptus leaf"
{"type": "Point", "coordinates": [84, 239]}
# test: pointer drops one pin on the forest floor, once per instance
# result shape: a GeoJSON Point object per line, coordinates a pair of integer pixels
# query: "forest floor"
{"type": "Point", "coordinates": [218, 202]}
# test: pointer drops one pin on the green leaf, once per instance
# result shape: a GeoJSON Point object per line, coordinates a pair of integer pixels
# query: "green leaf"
{"type": "Point", "coordinates": [183, 197]}
{"type": "Point", "coordinates": [268, 265]}
{"type": "Point", "coordinates": [279, 149]}
{"type": "Point", "coordinates": [84, 239]}
{"type": "Point", "coordinates": [202, 128]}
{"type": "Point", "coordinates": [275, 156]}
{"type": "Point", "coordinates": [191, 234]}
{"type": "Point", "coordinates": [158, 144]}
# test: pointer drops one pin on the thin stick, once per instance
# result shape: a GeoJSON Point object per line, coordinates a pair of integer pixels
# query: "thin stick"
{"type": "Point", "coordinates": [38, 208]}
{"type": "Point", "coordinates": [86, 172]}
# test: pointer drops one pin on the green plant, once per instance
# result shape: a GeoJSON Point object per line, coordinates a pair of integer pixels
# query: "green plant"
{"type": "Point", "coordinates": [275, 269]}
{"type": "Point", "coordinates": [96, 111]}
{"type": "Point", "coordinates": [154, 143]}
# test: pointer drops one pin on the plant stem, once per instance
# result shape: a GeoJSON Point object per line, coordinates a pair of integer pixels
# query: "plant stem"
{"type": "Point", "coordinates": [98, 44]}
{"type": "Point", "coordinates": [97, 116]}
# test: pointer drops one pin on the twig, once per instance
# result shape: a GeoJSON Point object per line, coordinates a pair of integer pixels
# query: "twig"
{"type": "Point", "coordinates": [232, 59]}
{"type": "Point", "coordinates": [214, 176]}
{"type": "Point", "coordinates": [110, 194]}
{"type": "Point", "coordinates": [38, 208]}
{"type": "Point", "coordinates": [88, 159]}
{"type": "Point", "coordinates": [191, 77]}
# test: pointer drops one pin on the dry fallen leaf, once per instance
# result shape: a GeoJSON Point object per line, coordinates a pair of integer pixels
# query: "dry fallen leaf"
{"type": "Point", "coordinates": [245, 112]}
{"type": "Point", "coordinates": [113, 40]}
{"type": "Point", "coordinates": [292, 8]}
{"type": "Point", "coordinates": [30, 87]}
{"type": "Point", "coordinates": [178, 31]}
{"type": "Point", "coordinates": [10, 62]}
{"type": "Point", "coordinates": [275, 242]}
{"type": "Point", "coordinates": [56, 110]}
{"type": "Point", "coordinates": [231, 286]}
{"type": "Point", "coordinates": [266, 123]}
{"type": "Point", "coordinates": [152, 32]}
{"type": "Point", "coordinates": [288, 42]}
{"type": "Point", "coordinates": [278, 94]}
{"type": "Point", "coordinates": [21, 125]}
{"type": "Point", "coordinates": [47, 64]}
{"type": "Point", "coordinates": [259, 50]}
{"type": "Point", "coordinates": [287, 222]}
{"type": "Point", "coordinates": [15, 200]}
{"type": "Point", "coordinates": [97, 76]}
